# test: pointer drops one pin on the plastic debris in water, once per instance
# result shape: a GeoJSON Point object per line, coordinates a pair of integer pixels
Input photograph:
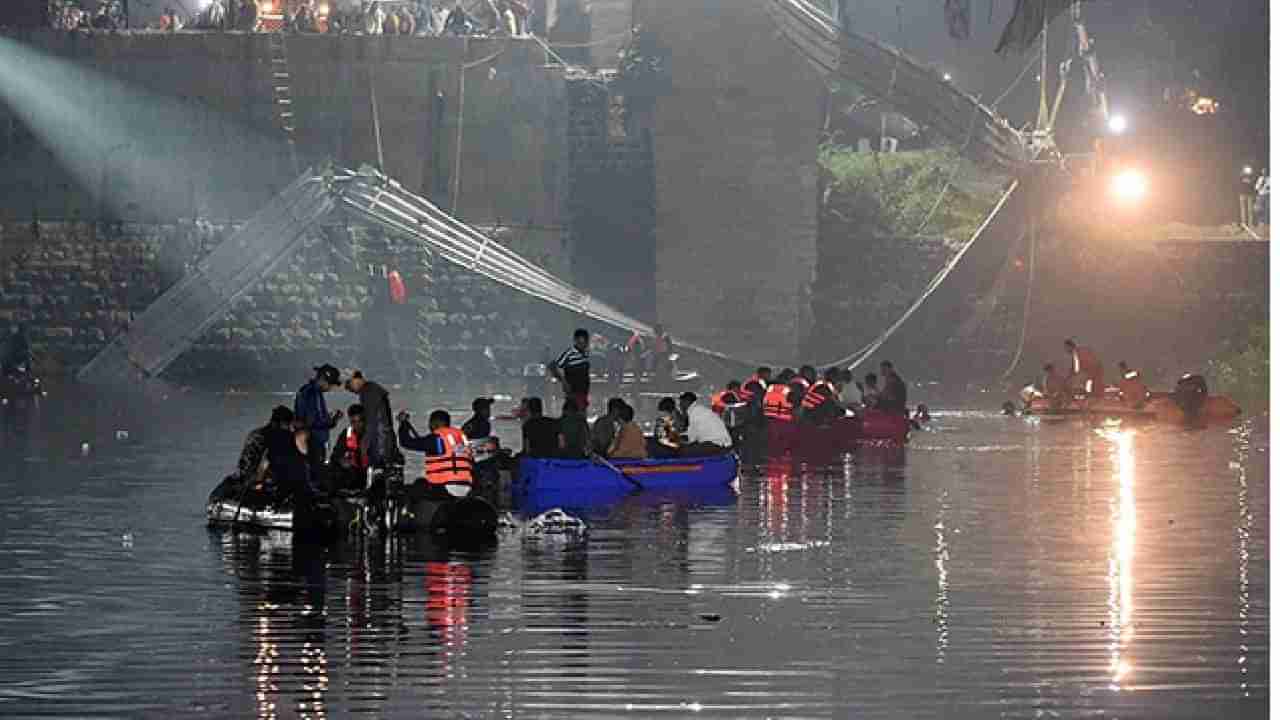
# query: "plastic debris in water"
{"type": "Point", "coordinates": [122, 434]}
{"type": "Point", "coordinates": [557, 522]}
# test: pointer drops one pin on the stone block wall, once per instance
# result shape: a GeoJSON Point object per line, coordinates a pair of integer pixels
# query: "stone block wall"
{"type": "Point", "coordinates": [611, 199]}
{"type": "Point", "coordinates": [76, 284]}
{"type": "Point", "coordinates": [735, 146]}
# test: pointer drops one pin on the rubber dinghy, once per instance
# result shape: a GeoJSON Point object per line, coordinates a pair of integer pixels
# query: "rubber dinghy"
{"type": "Point", "coordinates": [1217, 409]}
{"type": "Point", "coordinates": [544, 483]}
{"type": "Point", "coordinates": [465, 519]}
{"type": "Point", "coordinates": [873, 427]}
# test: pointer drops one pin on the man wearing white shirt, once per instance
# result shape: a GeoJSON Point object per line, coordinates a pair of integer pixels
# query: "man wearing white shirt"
{"type": "Point", "coordinates": [707, 434]}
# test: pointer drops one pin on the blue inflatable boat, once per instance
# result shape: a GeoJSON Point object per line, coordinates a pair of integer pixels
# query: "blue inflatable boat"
{"type": "Point", "coordinates": [542, 484]}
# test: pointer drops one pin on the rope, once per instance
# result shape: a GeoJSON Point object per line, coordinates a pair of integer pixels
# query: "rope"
{"type": "Point", "coordinates": [859, 357]}
{"type": "Point", "coordinates": [1026, 305]}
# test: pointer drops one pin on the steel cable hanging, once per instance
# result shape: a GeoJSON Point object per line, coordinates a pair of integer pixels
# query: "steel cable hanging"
{"type": "Point", "coordinates": [373, 196]}
{"type": "Point", "coordinates": [857, 358]}
{"type": "Point", "coordinates": [1026, 304]}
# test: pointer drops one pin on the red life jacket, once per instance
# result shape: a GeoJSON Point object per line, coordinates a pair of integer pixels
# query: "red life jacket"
{"type": "Point", "coordinates": [724, 399]}
{"type": "Point", "coordinates": [352, 444]}
{"type": "Point", "coordinates": [813, 397]}
{"type": "Point", "coordinates": [777, 403]}
{"type": "Point", "coordinates": [454, 466]}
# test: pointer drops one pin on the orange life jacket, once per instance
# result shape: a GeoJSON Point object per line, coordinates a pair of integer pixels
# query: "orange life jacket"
{"type": "Point", "coordinates": [724, 399]}
{"type": "Point", "coordinates": [1133, 389]}
{"type": "Point", "coordinates": [352, 444]}
{"type": "Point", "coordinates": [813, 398]}
{"type": "Point", "coordinates": [454, 466]}
{"type": "Point", "coordinates": [777, 403]}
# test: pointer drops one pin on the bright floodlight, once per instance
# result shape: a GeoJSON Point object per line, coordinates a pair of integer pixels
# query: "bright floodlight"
{"type": "Point", "coordinates": [1117, 124]}
{"type": "Point", "coordinates": [1129, 186]}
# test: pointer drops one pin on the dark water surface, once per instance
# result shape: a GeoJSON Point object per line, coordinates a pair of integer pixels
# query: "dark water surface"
{"type": "Point", "coordinates": [1004, 568]}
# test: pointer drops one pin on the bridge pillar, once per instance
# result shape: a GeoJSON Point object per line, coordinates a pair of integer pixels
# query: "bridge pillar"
{"type": "Point", "coordinates": [735, 150]}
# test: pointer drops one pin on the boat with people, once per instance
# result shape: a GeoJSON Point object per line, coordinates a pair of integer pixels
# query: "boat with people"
{"type": "Point", "coordinates": [469, 518]}
{"type": "Point", "coordinates": [544, 483]}
{"type": "Point", "coordinates": [1189, 403]}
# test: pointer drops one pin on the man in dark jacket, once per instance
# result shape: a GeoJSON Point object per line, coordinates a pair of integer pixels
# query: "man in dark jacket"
{"type": "Point", "coordinates": [313, 415]}
{"type": "Point", "coordinates": [379, 441]}
{"type": "Point", "coordinates": [893, 394]}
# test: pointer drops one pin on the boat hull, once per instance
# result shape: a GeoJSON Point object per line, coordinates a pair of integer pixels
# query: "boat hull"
{"type": "Point", "coordinates": [840, 436]}
{"type": "Point", "coordinates": [1217, 409]}
{"type": "Point", "coordinates": [542, 484]}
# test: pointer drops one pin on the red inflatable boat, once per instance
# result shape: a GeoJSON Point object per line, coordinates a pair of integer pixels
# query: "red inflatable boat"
{"type": "Point", "coordinates": [873, 427]}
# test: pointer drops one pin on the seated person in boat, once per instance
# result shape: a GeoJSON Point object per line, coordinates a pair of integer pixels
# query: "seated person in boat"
{"type": "Point", "coordinates": [540, 434]}
{"type": "Point", "coordinates": [893, 392]}
{"type": "Point", "coordinates": [605, 428]}
{"type": "Point", "coordinates": [448, 466]}
{"type": "Point", "coordinates": [1057, 387]}
{"type": "Point", "coordinates": [665, 442]}
{"type": "Point", "coordinates": [821, 402]}
{"type": "Point", "coordinates": [870, 390]}
{"type": "Point", "coordinates": [779, 400]}
{"type": "Point", "coordinates": [575, 436]}
{"type": "Point", "coordinates": [707, 434]}
{"type": "Point", "coordinates": [1133, 391]}
{"type": "Point", "coordinates": [255, 445]}
{"type": "Point", "coordinates": [628, 442]}
{"type": "Point", "coordinates": [479, 427]}
{"type": "Point", "coordinates": [348, 463]}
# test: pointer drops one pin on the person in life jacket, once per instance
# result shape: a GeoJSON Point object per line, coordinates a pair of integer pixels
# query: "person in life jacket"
{"type": "Point", "coordinates": [1133, 391]}
{"type": "Point", "coordinates": [448, 466]}
{"type": "Point", "coordinates": [821, 402]}
{"type": "Point", "coordinates": [348, 463]}
{"type": "Point", "coordinates": [1086, 369]}
{"type": "Point", "coordinates": [753, 388]}
{"type": "Point", "coordinates": [730, 395]}
{"type": "Point", "coordinates": [777, 399]}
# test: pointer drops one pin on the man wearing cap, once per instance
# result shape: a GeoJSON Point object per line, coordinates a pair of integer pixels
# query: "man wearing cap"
{"type": "Point", "coordinates": [312, 415]}
{"type": "Point", "coordinates": [379, 441]}
{"type": "Point", "coordinates": [478, 427]}
{"type": "Point", "coordinates": [707, 434]}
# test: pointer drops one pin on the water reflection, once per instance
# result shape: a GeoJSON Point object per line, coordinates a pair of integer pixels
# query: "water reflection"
{"type": "Point", "coordinates": [995, 574]}
{"type": "Point", "coordinates": [1124, 530]}
{"type": "Point", "coordinates": [1244, 532]}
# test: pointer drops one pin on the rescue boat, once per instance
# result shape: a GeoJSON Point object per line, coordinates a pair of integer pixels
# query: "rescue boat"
{"type": "Point", "coordinates": [544, 483]}
{"type": "Point", "coordinates": [469, 518]}
{"type": "Point", "coordinates": [872, 427]}
{"type": "Point", "coordinates": [1162, 407]}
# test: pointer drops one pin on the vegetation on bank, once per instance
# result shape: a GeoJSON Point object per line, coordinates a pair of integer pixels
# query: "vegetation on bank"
{"type": "Point", "coordinates": [1242, 370]}
{"type": "Point", "coordinates": [902, 194]}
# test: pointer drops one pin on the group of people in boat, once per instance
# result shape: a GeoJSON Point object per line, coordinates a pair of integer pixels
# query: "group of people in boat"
{"type": "Point", "coordinates": [289, 459]}
{"type": "Point", "coordinates": [1085, 377]}
{"type": "Point", "coordinates": [1086, 383]}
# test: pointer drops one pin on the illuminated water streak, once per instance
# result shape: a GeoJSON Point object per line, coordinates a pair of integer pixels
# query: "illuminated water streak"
{"type": "Point", "coordinates": [1124, 530]}
{"type": "Point", "coordinates": [1244, 532]}
{"type": "Point", "coordinates": [942, 599]}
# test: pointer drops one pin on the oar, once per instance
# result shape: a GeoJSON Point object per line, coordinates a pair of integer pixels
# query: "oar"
{"type": "Point", "coordinates": [600, 459]}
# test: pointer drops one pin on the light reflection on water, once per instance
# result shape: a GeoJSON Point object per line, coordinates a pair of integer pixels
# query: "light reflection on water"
{"type": "Point", "coordinates": [998, 567]}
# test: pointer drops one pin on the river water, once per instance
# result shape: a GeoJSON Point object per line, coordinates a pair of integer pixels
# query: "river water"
{"type": "Point", "coordinates": [999, 568]}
